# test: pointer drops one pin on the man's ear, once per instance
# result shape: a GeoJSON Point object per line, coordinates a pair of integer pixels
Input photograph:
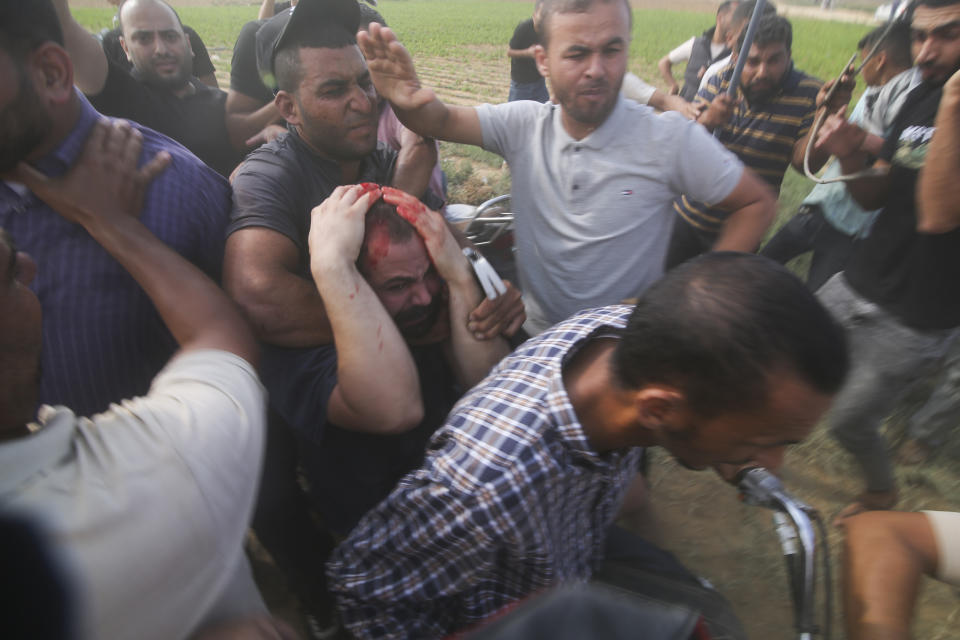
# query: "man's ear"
{"type": "Point", "coordinates": [660, 407]}
{"type": "Point", "coordinates": [881, 58]}
{"type": "Point", "coordinates": [540, 57]}
{"type": "Point", "coordinates": [287, 106]}
{"type": "Point", "coordinates": [52, 72]}
{"type": "Point", "coordinates": [123, 45]}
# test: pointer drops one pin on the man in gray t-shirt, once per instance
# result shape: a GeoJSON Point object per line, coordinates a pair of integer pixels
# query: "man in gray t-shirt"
{"type": "Point", "coordinates": [593, 175]}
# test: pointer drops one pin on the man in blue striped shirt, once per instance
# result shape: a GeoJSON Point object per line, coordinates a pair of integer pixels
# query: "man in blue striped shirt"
{"type": "Point", "coordinates": [725, 360]}
{"type": "Point", "coordinates": [766, 125]}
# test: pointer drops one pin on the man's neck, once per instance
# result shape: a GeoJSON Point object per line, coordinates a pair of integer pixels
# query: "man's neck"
{"type": "Point", "coordinates": [604, 410]}
{"type": "Point", "coordinates": [64, 120]}
{"type": "Point", "coordinates": [576, 129]}
{"type": "Point", "coordinates": [349, 171]}
{"type": "Point", "coordinates": [718, 38]}
{"type": "Point", "coordinates": [890, 74]}
{"type": "Point", "coordinates": [187, 89]}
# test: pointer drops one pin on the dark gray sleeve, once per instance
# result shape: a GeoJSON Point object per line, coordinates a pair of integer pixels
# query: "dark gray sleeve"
{"type": "Point", "coordinates": [265, 194]}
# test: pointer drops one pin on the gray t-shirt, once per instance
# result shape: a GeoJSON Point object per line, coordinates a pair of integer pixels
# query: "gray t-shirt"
{"type": "Point", "coordinates": [593, 217]}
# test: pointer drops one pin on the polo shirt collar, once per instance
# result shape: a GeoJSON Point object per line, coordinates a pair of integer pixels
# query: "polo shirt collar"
{"type": "Point", "coordinates": [68, 151]}
{"type": "Point", "coordinates": [600, 138]}
{"type": "Point", "coordinates": [25, 457]}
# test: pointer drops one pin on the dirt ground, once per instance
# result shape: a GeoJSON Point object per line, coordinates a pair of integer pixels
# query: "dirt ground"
{"type": "Point", "coordinates": [696, 515]}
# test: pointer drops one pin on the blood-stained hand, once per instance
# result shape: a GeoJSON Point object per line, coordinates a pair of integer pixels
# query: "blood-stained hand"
{"type": "Point", "coordinates": [337, 223]}
{"type": "Point", "coordinates": [442, 247]}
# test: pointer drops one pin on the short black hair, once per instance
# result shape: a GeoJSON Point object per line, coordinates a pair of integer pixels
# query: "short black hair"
{"type": "Point", "coordinates": [286, 64]}
{"type": "Point", "coordinates": [383, 215]}
{"type": "Point", "coordinates": [745, 9]}
{"type": "Point", "coordinates": [772, 29]}
{"type": "Point", "coordinates": [553, 7]}
{"type": "Point", "coordinates": [896, 43]}
{"type": "Point", "coordinates": [718, 327]}
{"type": "Point", "coordinates": [726, 5]}
{"type": "Point", "coordinates": [24, 26]}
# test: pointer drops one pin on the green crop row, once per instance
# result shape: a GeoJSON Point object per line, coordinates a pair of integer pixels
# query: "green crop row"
{"type": "Point", "coordinates": [477, 30]}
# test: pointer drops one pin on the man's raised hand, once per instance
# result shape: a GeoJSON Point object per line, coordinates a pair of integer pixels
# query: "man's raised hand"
{"type": "Point", "coordinates": [106, 181]}
{"type": "Point", "coordinates": [391, 68]}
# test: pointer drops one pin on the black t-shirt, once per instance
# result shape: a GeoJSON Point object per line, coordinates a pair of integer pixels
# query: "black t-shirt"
{"type": "Point", "coordinates": [914, 276]}
{"type": "Point", "coordinates": [244, 77]}
{"type": "Point", "coordinates": [524, 70]}
{"type": "Point", "coordinates": [197, 121]}
{"type": "Point", "coordinates": [349, 472]}
{"type": "Point", "coordinates": [202, 65]}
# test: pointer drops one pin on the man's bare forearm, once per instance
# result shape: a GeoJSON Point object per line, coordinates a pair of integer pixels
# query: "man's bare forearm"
{"type": "Point", "coordinates": [284, 308]}
{"type": "Point", "coordinates": [378, 387]}
{"type": "Point", "coordinates": [938, 191]}
{"type": "Point", "coordinates": [472, 359]}
{"type": "Point", "coordinates": [89, 60]}
{"type": "Point", "coordinates": [753, 207]}
{"type": "Point", "coordinates": [415, 162]}
{"type": "Point", "coordinates": [197, 312]}
{"type": "Point", "coordinates": [242, 126]}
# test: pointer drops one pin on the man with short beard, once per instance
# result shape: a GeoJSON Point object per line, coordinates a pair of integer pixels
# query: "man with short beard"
{"type": "Point", "coordinates": [160, 91]}
{"type": "Point", "coordinates": [594, 175]}
{"type": "Point", "coordinates": [397, 290]}
{"type": "Point", "coordinates": [767, 125]}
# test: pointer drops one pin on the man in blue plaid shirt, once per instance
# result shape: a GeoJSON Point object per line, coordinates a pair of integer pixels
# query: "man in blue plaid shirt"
{"type": "Point", "coordinates": [725, 361]}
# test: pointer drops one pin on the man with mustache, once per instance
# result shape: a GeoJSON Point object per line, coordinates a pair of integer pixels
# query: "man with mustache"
{"type": "Point", "coordinates": [160, 91]}
{"type": "Point", "coordinates": [766, 125]}
{"type": "Point", "coordinates": [897, 294]}
{"type": "Point", "coordinates": [594, 175]}
{"type": "Point", "coordinates": [397, 289]}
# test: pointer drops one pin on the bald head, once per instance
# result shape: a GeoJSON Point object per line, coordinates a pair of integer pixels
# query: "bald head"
{"type": "Point", "coordinates": [155, 44]}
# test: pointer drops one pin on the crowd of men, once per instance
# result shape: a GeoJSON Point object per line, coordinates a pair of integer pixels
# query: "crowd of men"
{"type": "Point", "coordinates": [255, 314]}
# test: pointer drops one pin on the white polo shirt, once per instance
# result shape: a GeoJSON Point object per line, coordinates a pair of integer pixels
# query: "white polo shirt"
{"type": "Point", "coordinates": [148, 503]}
{"type": "Point", "coordinates": [594, 216]}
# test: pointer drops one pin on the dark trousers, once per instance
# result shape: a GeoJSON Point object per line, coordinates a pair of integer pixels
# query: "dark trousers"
{"type": "Point", "coordinates": [637, 567]}
{"type": "Point", "coordinates": [808, 230]}
{"type": "Point", "coordinates": [284, 525]}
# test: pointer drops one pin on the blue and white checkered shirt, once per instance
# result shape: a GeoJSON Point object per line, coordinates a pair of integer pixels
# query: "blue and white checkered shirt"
{"type": "Point", "coordinates": [511, 499]}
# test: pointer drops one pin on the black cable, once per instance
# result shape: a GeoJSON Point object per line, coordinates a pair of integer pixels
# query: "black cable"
{"type": "Point", "coordinates": [827, 579]}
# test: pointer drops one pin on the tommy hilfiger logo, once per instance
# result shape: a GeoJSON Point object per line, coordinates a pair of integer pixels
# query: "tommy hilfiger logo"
{"type": "Point", "coordinates": [627, 192]}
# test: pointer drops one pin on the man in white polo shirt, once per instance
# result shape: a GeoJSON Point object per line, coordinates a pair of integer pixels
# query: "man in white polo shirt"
{"type": "Point", "coordinates": [594, 175]}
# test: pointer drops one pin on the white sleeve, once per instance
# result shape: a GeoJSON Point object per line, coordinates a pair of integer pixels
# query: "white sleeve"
{"type": "Point", "coordinates": [681, 53]}
{"type": "Point", "coordinates": [213, 408]}
{"type": "Point", "coordinates": [504, 126]}
{"type": "Point", "coordinates": [703, 169]}
{"type": "Point", "coordinates": [636, 89]}
{"type": "Point", "coordinates": [946, 531]}
{"type": "Point", "coordinates": [711, 71]}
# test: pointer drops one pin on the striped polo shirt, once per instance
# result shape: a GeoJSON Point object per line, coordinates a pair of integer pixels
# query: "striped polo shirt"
{"type": "Point", "coordinates": [761, 135]}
